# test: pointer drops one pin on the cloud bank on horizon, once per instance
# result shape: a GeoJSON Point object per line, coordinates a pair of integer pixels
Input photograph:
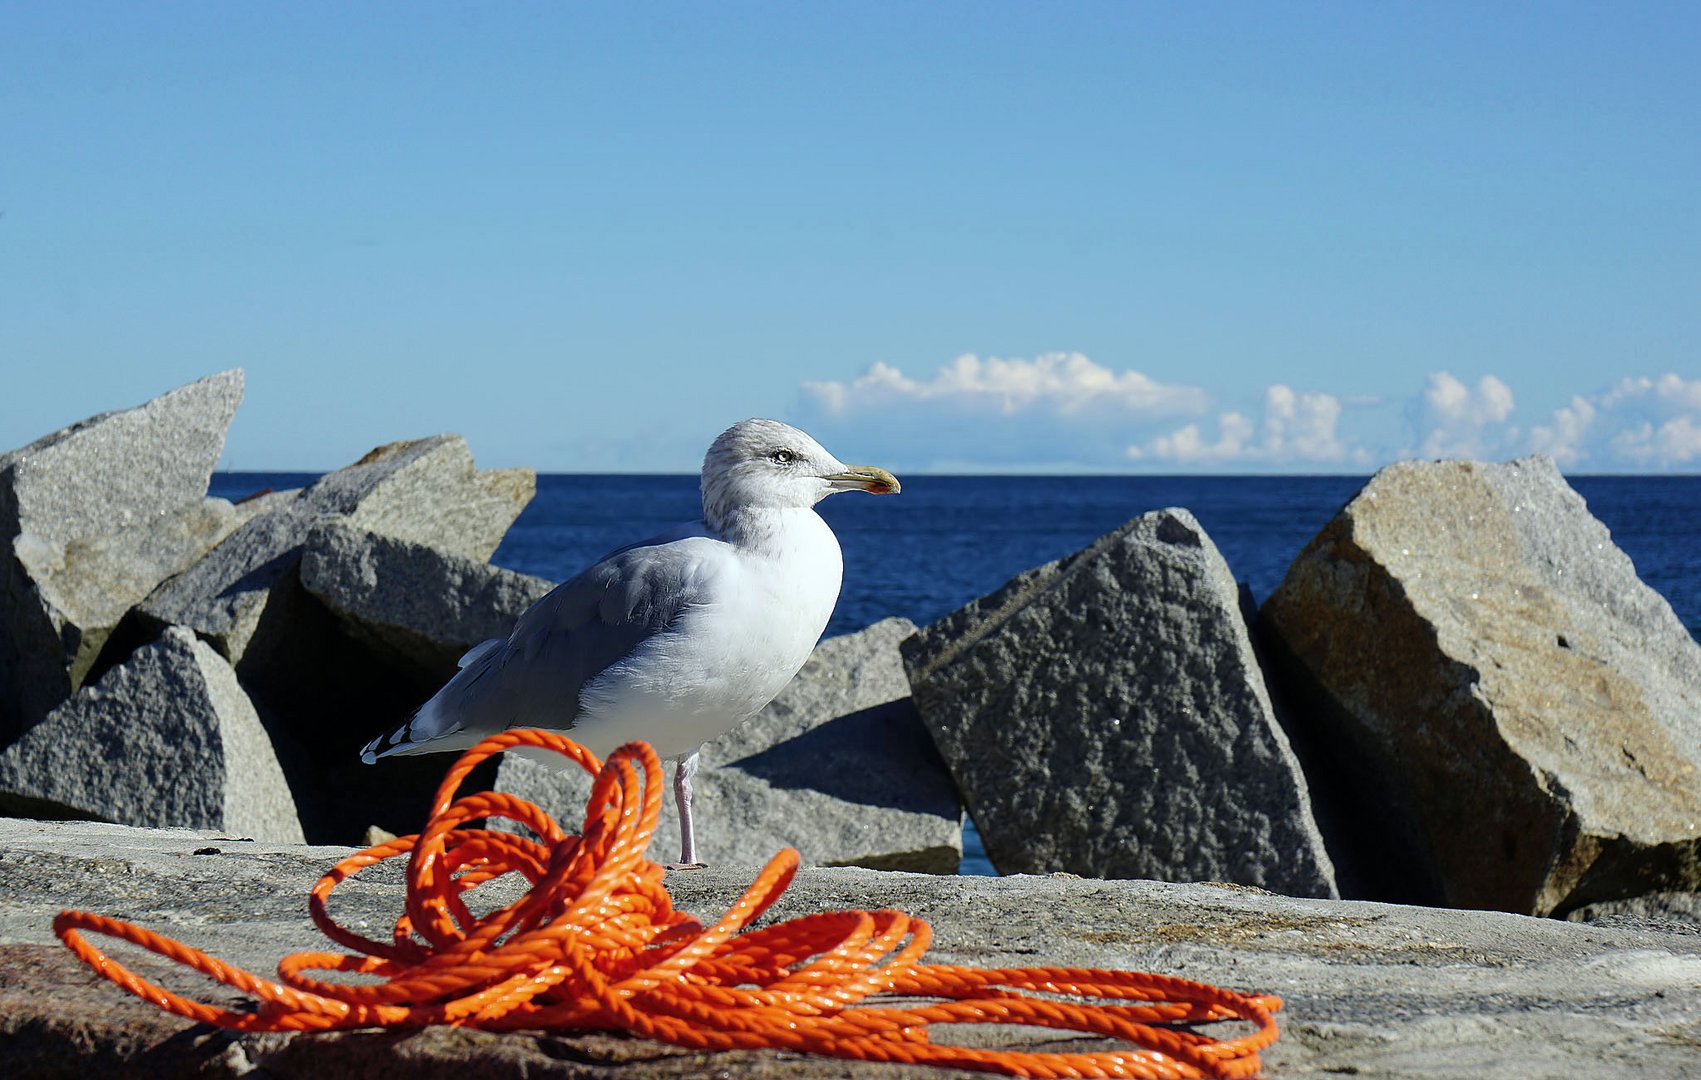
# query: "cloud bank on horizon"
{"type": "Point", "coordinates": [1066, 412]}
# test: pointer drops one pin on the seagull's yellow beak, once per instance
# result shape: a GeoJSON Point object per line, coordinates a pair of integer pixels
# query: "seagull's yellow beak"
{"type": "Point", "coordinates": [864, 478]}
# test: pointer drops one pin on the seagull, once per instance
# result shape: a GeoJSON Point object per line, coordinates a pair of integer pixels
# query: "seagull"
{"type": "Point", "coordinates": [674, 640]}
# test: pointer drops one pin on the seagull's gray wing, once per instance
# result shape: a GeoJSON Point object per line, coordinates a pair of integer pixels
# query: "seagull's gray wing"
{"type": "Point", "coordinates": [563, 641]}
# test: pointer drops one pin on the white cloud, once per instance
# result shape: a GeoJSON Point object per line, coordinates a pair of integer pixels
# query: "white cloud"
{"type": "Point", "coordinates": [1668, 391]}
{"type": "Point", "coordinates": [1064, 412]}
{"type": "Point", "coordinates": [1458, 421]}
{"type": "Point", "coordinates": [1674, 442]}
{"type": "Point", "coordinates": [1062, 383]}
{"type": "Point", "coordinates": [1563, 438]}
{"type": "Point", "coordinates": [1640, 423]}
{"type": "Point", "coordinates": [1294, 428]}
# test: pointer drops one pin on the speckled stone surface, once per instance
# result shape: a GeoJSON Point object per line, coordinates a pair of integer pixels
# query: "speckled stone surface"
{"type": "Point", "coordinates": [91, 505]}
{"type": "Point", "coordinates": [423, 606]}
{"type": "Point", "coordinates": [1522, 713]}
{"type": "Point", "coordinates": [165, 738]}
{"type": "Point", "coordinates": [425, 491]}
{"type": "Point", "coordinates": [1105, 715]}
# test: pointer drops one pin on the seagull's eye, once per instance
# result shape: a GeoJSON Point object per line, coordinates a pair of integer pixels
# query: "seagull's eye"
{"type": "Point", "coordinates": [782, 457]}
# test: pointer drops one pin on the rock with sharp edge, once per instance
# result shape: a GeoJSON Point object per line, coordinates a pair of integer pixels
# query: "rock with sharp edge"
{"type": "Point", "coordinates": [92, 517]}
{"type": "Point", "coordinates": [421, 606]}
{"type": "Point", "coordinates": [167, 738]}
{"type": "Point", "coordinates": [1105, 715]}
{"type": "Point", "coordinates": [425, 491]}
{"type": "Point", "coordinates": [1522, 713]}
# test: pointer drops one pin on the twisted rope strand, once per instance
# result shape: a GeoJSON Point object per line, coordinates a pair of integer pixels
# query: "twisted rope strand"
{"type": "Point", "coordinates": [596, 944]}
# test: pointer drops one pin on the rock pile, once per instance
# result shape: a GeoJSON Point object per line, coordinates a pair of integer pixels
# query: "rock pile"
{"type": "Point", "coordinates": [93, 518]}
{"type": "Point", "coordinates": [169, 659]}
{"type": "Point", "coordinates": [1486, 707]}
{"type": "Point", "coordinates": [1461, 694]}
{"type": "Point", "coordinates": [163, 659]}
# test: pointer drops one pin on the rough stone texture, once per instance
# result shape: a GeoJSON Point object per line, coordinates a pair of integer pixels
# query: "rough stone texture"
{"type": "Point", "coordinates": [320, 691]}
{"type": "Point", "coordinates": [425, 491]}
{"type": "Point", "coordinates": [86, 587]}
{"type": "Point", "coordinates": [124, 473]}
{"type": "Point", "coordinates": [1522, 714]}
{"type": "Point", "coordinates": [1662, 908]}
{"type": "Point", "coordinates": [166, 739]}
{"type": "Point", "coordinates": [119, 468]}
{"type": "Point", "coordinates": [1374, 991]}
{"type": "Point", "coordinates": [421, 606]}
{"type": "Point", "coordinates": [837, 766]}
{"type": "Point", "coordinates": [438, 498]}
{"type": "Point", "coordinates": [1104, 715]}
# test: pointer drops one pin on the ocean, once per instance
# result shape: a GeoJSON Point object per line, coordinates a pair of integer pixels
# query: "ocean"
{"type": "Point", "coordinates": [948, 539]}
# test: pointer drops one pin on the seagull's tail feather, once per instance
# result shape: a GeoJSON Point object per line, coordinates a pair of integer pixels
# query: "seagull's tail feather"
{"type": "Point", "coordinates": [428, 731]}
{"type": "Point", "coordinates": [449, 721]}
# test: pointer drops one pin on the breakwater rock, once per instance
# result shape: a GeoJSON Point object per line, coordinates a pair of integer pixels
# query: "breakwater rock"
{"type": "Point", "coordinates": [1517, 711]}
{"type": "Point", "coordinates": [1106, 715]}
{"type": "Point", "coordinates": [1372, 990]}
{"type": "Point", "coordinates": [93, 517]}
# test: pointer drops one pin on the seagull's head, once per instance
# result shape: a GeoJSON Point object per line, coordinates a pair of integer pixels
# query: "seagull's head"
{"type": "Point", "coordinates": [770, 465]}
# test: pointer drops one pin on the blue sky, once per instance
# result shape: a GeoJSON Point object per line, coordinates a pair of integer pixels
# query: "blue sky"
{"type": "Point", "coordinates": [988, 237]}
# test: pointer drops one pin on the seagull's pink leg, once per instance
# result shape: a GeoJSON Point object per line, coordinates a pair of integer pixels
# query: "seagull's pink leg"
{"type": "Point", "coordinates": [683, 769]}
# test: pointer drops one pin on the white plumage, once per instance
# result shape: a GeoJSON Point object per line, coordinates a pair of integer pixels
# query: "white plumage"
{"type": "Point", "coordinates": [674, 640]}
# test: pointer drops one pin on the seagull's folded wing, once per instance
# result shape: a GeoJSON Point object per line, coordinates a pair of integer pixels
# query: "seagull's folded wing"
{"type": "Point", "coordinates": [562, 642]}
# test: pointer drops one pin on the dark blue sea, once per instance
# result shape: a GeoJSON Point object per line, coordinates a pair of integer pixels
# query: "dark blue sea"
{"type": "Point", "coordinates": [949, 539]}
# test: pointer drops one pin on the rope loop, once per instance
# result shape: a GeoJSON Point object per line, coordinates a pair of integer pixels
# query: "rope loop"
{"type": "Point", "coordinates": [595, 944]}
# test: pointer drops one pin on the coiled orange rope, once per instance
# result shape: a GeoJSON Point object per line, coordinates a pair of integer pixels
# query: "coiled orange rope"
{"type": "Point", "coordinates": [596, 944]}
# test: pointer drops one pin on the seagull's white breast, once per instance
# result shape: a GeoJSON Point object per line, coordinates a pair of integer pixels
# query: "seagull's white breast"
{"type": "Point", "coordinates": [764, 606]}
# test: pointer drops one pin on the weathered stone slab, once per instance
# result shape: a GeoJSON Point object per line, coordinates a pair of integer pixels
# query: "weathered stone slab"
{"type": "Point", "coordinates": [1373, 991]}
{"type": "Point", "coordinates": [426, 491]}
{"type": "Point", "coordinates": [166, 739]}
{"type": "Point", "coordinates": [837, 766]}
{"type": "Point", "coordinates": [421, 606]}
{"type": "Point", "coordinates": [118, 490]}
{"type": "Point", "coordinates": [1524, 714]}
{"type": "Point", "coordinates": [87, 586]}
{"type": "Point", "coordinates": [321, 691]}
{"type": "Point", "coordinates": [1105, 715]}
{"type": "Point", "coordinates": [118, 469]}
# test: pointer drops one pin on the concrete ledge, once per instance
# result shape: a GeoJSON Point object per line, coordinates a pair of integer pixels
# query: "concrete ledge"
{"type": "Point", "coordinates": [1372, 990]}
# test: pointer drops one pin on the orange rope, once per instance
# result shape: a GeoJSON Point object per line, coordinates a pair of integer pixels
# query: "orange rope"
{"type": "Point", "coordinates": [596, 944]}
